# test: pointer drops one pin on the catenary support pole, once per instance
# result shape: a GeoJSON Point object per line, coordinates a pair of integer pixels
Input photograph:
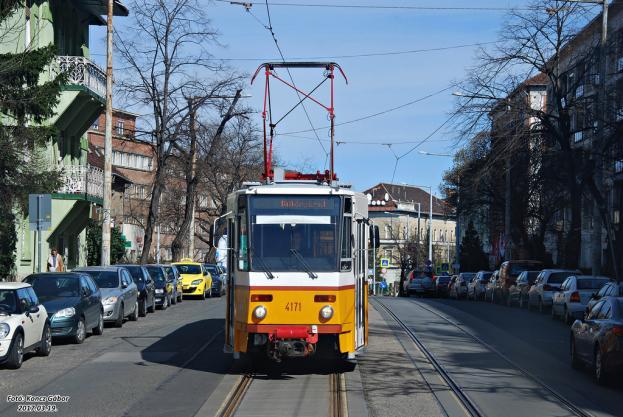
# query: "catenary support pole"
{"type": "Point", "coordinates": [107, 197]}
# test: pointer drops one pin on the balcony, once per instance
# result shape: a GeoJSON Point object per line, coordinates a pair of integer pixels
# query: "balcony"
{"type": "Point", "coordinates": [82, 180]}
{"type": "Point", "coordinates": [82, 73]}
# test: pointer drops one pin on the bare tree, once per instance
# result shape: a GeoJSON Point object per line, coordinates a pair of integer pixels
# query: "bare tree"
{"type": "Point", "coordinates": [165, 53]}
{"type": "Point", "coordinates": [534, 42]}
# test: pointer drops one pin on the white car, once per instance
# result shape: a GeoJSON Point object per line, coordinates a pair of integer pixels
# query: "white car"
{"type": "Point", "coordinates": [547, 283]}
{"type": "Point", "coordinates": [570, 302]}
{"type": "Point", "coordinates": [476, 287]}
{"type": "Point", "coordinates": [24, 324]}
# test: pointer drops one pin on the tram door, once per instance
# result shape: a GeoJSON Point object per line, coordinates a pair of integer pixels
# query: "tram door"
{"type": "Point", "coordinates": [360, 288]}
{"type": "Point", "coordinates": [231, 284]}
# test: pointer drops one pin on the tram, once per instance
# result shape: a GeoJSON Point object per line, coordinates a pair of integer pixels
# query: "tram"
{"type": "Point", "coordinates": [297, 258]}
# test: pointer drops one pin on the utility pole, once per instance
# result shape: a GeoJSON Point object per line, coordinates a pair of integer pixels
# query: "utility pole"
{"type": "Point", "coordinates": [596, 243]}
{"type": "Point", "coordinates": [107, 197]}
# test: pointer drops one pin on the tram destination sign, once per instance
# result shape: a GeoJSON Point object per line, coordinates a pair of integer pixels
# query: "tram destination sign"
{"type": "Point", "coordinates": [296, 203]}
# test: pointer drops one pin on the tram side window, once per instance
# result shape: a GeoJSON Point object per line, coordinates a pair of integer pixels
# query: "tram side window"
{"type": "Point", "coordinates": [243, 235]}
{"type": "Point", "coordinates": [347, 249]}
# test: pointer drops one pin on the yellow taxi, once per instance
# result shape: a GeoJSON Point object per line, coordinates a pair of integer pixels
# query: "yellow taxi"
{"type": "Point", "coordinates": [196, 281]}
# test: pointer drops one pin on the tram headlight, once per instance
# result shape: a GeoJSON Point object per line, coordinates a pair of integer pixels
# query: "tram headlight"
{"type": "Point", "coordinates": [326, 312]}
{"type": "Point", "coordinates": [259, 312]}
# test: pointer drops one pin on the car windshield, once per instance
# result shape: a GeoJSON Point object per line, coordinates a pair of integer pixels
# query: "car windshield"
{"type": "Point", "coordinates": [8, 302]}
{"type": "Point", "coordinates": [188, 269]}
{"type": "Point", "coordinates": [467, 277]}
{"type": "Point", "coordinates": [591, 283]}
{"type": "Point", "coordinates": [170, 272]}
{"type": "Point", "coordinates": [294, 233]}
{"type": "Point", "coordinates": [156, 273]}
{"type": "Point", "coordinates": [212, 268]}
{"type": "Point", "coordinates": [135, 271]}
{"type": "Point", "coordinates": [558, 277]}
{"type": "Point", "coordinates": [105, 279]}
{"type": "Point", "coordinates": [532, 276]}
{"type": "Point", "coordinates": [55, 286]}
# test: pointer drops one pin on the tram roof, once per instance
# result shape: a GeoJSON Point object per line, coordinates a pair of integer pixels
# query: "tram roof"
{"type": "Point", "coordinates": [296, 187]}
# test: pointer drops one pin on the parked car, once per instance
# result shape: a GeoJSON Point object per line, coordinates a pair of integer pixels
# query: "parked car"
{"type": "Point", "coordinates": [518, 292]}
{"type": "Point", "coordinates": [163, 284]}
{"type": "Point", "coordinates": [570, 302]}
{"type": "Point", "coordinates": [420, 283]}
{"type": "Point", "coordinates": [598, 340]}
{"type": "Point", "coordinates": [218, 287]}
{"type": "Point", "coordinates": [509, 271]}
{"type": "Point", "coordinates": [491, 285]}
{"type": "Point", "coordinates": [24, 324]}
{"type": "Point", "coordinates": [458, 286]}
{"type": "Point", "coordinates": [476, 287]}
{"type": "Point", "coordinates": [196, 281]}
{"type": "Point", "coordinates": [119, 292]}
{"type": "Point", "coordinates": [611, 289]}
{"type": "Point", "coordinates": [73, 302]}
{"type": "Point", "coordinates": [441, 285]}
{"type": "Point", "coordinates": [145, 286]}
{"type": "Point", "coordinates": [546, 284]}
{"type": "Point", "coordinates": [174, 274]}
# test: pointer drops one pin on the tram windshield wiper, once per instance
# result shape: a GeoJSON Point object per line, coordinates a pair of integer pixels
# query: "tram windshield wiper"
{"type": "Point", "coordinates": [305, 265]}
{"type": "Point", "coordinates": [263, 265]}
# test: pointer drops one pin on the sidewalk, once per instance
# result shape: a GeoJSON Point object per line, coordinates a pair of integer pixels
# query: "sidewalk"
{"type": "Point", "coordinates": [393, 384]}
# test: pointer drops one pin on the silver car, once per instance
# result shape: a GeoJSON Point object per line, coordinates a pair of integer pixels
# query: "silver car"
{"type": "Point", "coordinates": [119, 292]}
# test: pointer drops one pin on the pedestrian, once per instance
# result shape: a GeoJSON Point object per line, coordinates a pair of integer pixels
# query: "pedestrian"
{"type": "Point", "coordinates": [55, 262]}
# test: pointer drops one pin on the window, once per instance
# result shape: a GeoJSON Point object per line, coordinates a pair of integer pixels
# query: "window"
{"type": "Point", "coordinates": [616, 217]}
{"type": "Point", "coordinates": [595, 310]}
{"type": "Point", "coordinates": [119, 127]}
{"type": "Point", "coordinates": [620, 64]}
{"type": "Point", "coordinates": [579, 91]}
{"type": "Point", "coordinates": [24, 299]}
{"type": "Point", "coordinates": [618, 166]}
{"type": "Point", "coordinates": [96, 124]}
{"type": "Point", "coordinates": [605, 312]}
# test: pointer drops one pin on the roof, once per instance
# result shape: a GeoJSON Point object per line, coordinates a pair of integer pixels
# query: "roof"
{"type": "Point", "coordinates": [13, 285]}
{"type": "Point", "coordinates": [404, 194]}
{"type": "Point", "coordinates": [113, 268]}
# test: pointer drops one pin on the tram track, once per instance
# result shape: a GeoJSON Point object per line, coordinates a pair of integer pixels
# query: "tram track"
{"type": "Point", "coordinates": [559, 397]}
{"type": "Point", "coordinates": [468, 405]}
{"type": "Point", "coordinates": [338, 406]}
{"type": "Point", "coordinates": [235, 397]}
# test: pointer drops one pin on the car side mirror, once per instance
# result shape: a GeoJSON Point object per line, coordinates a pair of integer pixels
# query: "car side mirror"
{"type": "Point", "coordinates": [33, 309]}
{"type": "Point", "coordinates": [124, 285]}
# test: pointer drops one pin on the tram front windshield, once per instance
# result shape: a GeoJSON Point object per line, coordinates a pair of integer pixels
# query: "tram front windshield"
{"type": "Point", "coordinates": [294, 233]}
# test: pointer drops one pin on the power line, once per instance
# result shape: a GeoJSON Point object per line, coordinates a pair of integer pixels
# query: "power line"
{"type": "Point", "coordinates": [362, 55]}
{"type": "Point", "coordinates": [384, 7]}
{"type": "Point", "coordinates": [380, 113]}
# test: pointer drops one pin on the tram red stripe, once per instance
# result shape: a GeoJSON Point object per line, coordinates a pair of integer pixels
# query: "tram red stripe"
{"type": "Point", "coordinates": [292, 288]}
{"type": "Point", "coordinates": [271, 328]}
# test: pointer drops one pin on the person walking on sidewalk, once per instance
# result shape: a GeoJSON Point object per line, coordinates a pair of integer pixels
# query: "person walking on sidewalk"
{"type": "Point", "coordinates": [55, 262]}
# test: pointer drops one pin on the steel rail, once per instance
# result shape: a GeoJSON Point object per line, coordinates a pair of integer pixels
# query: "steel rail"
{"type": "Point", "coordinates": [338, 406]}
{"type": "Point", "coordinates": [561, 398]}
{"type": "Point", "coordinates": [235, 397]}
{"type": "Point", "coordinates": [468, 404]}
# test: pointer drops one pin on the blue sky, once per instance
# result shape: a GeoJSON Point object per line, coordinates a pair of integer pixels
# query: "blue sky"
{"type": "Point", "coordinates": [375, 83]}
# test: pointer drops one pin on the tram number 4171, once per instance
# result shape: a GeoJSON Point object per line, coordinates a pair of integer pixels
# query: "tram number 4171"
{"type": "Point", "coordinates": [294, 306]}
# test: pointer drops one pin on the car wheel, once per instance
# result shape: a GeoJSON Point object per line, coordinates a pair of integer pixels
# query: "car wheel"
{"type": "Point", "coordinates": [46, 342]}
{"type": "Point", "coordinates": [81, 332]}
{"type": "Point", "coordinates": [152, 308]}
{"type": "Point", "coordinates": [575, 361]}
{"type": "Point", "coordinates": [203, 295]}
{"type": "Point", "coordinates": [165, 302]}
{"type": "Point", "coordinates": [142, 308]}
{"type": "Point", "coordinates": [134, 315]}
{"type": "Point", "coordinates": [119, 321]}
{"type": "Point", "coordinates": [99, 329]}
{"type": "Point", "coordinates": [598, 367]}
{"type": "Point", "coordinates": [174, 299]}
{"type": "Point", "coordinates": [180, 297]}
{"type": "Point", "coordinates": [210, 293]}
{"type": "Point", "coordinates": [568, 318]}
{"type": "Point", "coordinates": [16, 354]}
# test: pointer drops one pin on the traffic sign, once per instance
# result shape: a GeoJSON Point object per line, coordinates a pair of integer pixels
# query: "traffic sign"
{"type": "Point", "coordinates": [384, 262]}
{"type": "Point", "coordinates": [40, 211]}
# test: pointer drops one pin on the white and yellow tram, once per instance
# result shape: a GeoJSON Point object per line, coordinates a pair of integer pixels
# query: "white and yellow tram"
{"type": "Point", "coordinates": [298, 262]}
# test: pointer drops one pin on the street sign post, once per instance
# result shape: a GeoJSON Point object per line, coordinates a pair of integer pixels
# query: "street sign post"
{"type": "Point", "coordinates": [40, 218]}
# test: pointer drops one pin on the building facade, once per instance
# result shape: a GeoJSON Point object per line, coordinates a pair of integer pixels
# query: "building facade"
{"type": "Point", "coordinates": [65, 24]}
{"type": "Point", "coordinates": [402, 213]}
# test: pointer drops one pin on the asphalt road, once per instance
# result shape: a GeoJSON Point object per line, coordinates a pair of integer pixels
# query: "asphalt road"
{"type": "Point", "coordinates": [165, 364]}
{"type": "Point", "coordinates": [531, 341]}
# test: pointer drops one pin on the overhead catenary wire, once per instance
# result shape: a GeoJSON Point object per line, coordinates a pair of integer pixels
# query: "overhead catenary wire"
{"type": "Point", "coordinates": [385, 6]}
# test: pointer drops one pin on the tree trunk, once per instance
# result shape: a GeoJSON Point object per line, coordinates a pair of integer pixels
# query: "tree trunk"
{"type": "Point", "coordinates": [154, 209]}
